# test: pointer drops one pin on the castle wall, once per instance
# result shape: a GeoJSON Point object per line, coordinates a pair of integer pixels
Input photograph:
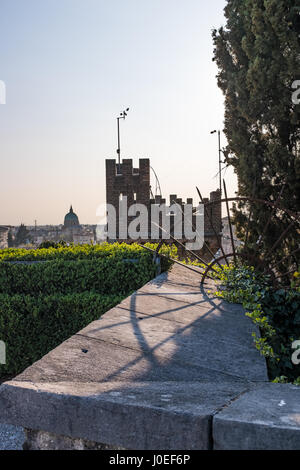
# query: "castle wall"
{"type": "Point", "coordinates": [125, 180]}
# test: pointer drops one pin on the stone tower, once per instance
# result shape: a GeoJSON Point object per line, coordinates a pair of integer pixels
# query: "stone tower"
{"type": "Point", "coordinates": [214, 209]}
{"type": "Point", "coordinates": [124, 180]}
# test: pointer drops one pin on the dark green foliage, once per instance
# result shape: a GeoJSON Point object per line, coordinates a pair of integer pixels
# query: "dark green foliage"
{"type": "Point", "coordinates": [257, 54]}
{"type": "Point", "coordinates": [275, 312]}
{"type": "Point", "coordinates": [10, 241]}
{"type": "Point", "coordinates": [52, 244]}
{"type": "Point", "coordinates": [33, 325]}
{"type": "Point", "coordinates": [22, 235]}
{"type": "Point", "coordinates": [282, 308]}
{"type": "Point", "coordinates": [102, 275]}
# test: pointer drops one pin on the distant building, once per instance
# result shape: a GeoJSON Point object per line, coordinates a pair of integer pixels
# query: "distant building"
{"type": "Point", "coordinates": [71, 226]}
{"type": "Point", "coordinates": [71, 220]}
{"type": "Point", "coordinates": [83, 238]}
{"type": "Point", "coordinates": [71, 231]}
{"type": "Point", "coordinates": [4, 237]}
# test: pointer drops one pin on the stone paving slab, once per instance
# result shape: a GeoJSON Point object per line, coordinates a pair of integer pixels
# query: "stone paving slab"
{"type": "Point", "coordinates": [157, 415]}
{"type": "Point", "coordinates": [142, 301]}
{"type": "Point", "coordinates": [193, 314]}
{"type": "Point", "coordinates": [134, 326]}
{"type": "Point", "coordinates": [105, 361]}
{"type": "Point", "coordinates": [211, 348]}
{"type": "Point", "coordinates": [203, 296]}
{"type": "Point", "coordinates": [265, 418]}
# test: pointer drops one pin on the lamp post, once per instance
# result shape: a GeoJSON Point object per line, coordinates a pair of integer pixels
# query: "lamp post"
{"type": "Point", "coordinates": [123, 115]}
{"type": "Point", "coordinates": [220, 160]}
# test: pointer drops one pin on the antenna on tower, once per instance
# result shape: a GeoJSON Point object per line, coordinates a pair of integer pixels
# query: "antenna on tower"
{"type": "Point", "coordinates": [123, 115]}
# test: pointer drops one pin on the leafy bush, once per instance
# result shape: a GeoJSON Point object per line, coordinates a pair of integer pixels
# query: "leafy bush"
{"type": "Point", "coordinates": [60, 252]}
{"type": "Point", "coordinates": [33, 325]}
{"type": "Point", "coordinates": [276, 312]}
{"type": "Point", "coordinates": [48, 294]}
{"type": "Point", "coordinates": [52, 244]}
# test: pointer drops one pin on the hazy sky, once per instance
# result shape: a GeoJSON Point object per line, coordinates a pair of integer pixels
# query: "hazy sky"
{"type": "Point", "coordinates": [70, 67]}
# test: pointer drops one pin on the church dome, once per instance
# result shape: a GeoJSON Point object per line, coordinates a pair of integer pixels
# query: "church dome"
{"type": "Point", "coordinates": [71, 219]}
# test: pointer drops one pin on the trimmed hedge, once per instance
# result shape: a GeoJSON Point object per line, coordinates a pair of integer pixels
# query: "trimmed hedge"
{"type": "Point", "coordinates": [103, 275]}
{"type": "Point", "coordinates": [111, 250]}
{"type": "Point", "coordinates": [33, 325]}
{"type": "Point", "coordinates": [47, 295]}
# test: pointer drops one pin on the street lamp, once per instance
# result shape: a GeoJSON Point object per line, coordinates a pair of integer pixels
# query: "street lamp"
{"type": "Point", "coordinates": [123, 115]}
{"type": "Point", "coordinates": [220, 159]}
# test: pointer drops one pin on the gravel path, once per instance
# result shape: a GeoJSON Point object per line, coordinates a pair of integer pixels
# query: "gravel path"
{"type": "Point", "coordinates": [11, 437]}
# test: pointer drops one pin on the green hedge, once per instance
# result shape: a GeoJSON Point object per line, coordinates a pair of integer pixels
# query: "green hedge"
{"type": "Point", "coordinates": [33, 325]}
{"type": "Point", "coordinates": [104, 276]}
{"type": "Point", "coordinates": [105, 250]}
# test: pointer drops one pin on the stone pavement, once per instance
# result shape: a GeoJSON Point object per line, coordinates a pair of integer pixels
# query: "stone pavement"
{"type": "Point", "coordinates": [151, 373]}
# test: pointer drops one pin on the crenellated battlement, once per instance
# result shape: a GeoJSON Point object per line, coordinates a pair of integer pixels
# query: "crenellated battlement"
{"type": "Point", "coordinates": [128, 181]}
{"type": "Point", "coordinates": [134, 182]}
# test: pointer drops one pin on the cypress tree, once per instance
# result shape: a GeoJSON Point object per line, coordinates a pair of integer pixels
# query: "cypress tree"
{"type": "Point", "coordinates": [258, 57]}
{"type": "Point", "coordinates": [22, 235]}
{"type": "Point", "coordinates": [10, 241]}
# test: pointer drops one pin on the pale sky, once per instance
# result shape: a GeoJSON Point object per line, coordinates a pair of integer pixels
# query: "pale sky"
{"type": "Point", "coordinates": [71, 66]}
